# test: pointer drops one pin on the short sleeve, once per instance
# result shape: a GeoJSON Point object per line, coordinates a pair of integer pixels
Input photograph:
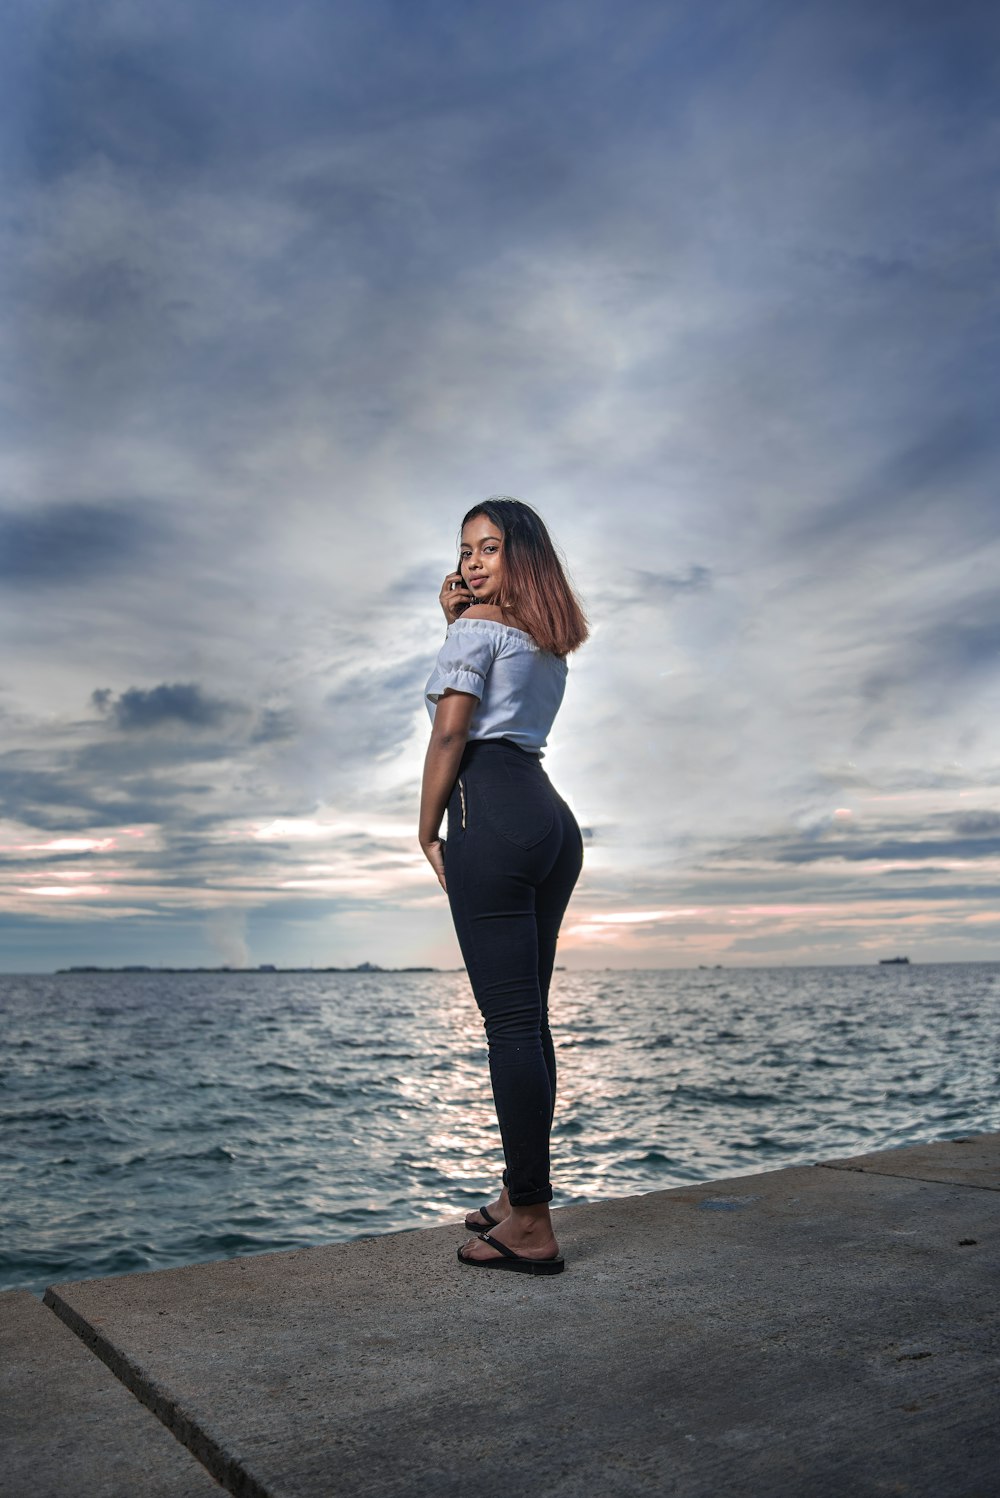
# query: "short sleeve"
{"type": "Point", "coordinates": [464, 660]}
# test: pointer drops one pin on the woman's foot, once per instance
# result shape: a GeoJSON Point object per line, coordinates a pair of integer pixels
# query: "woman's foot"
{"type": "Point", "coordinates": [498, 1210]}
{"type": "Point", "coordinates": [526, 1230]}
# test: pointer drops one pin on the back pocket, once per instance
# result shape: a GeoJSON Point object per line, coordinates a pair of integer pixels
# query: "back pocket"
{"type": "Point", "coordinates": [517, 803]}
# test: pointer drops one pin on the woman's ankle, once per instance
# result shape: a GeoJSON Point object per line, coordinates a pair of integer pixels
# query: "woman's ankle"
{"type": "Point", "coordinates": [533, 1219]}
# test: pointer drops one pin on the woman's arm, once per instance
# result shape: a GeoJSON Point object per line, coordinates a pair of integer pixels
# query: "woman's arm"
{"type": "Point", "coordinates": [449, 734]}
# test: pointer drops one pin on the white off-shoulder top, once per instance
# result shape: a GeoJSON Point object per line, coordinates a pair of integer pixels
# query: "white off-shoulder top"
{"type": "Point", "coordinates": [520, 686]}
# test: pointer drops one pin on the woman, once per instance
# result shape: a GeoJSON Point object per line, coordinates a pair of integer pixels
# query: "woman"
{"type": "Point", "coordinates": [514, 850]}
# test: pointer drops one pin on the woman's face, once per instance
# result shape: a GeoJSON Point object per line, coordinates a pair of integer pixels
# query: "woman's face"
{"type": "Point", "coordinates": [480, 557]}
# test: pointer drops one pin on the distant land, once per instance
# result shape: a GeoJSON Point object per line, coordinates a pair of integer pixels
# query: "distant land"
{"type": "Point", "coordinates": [262, 967]}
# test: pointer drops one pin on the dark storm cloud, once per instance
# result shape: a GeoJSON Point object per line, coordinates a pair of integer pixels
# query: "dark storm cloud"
{"type": "Point", "coordinates": [124, 759]}
{"type": "Point", "coordinates": [200, 84]}
{"type": "Point", "coordinates": [44, 799]}
{"type": "Point", "coordinates": [171, 702]}
{"type": "Point", "coordinates": [66, 543]}
{"type": "Point", "coordinates": [145, 772]}
{"type": "Point", "coordinates": [122, 97]}
{"type": "Point", "coordinates": [139, 757]}
{"type": "Point", "coordinates": [667, 585]}
{"type": "Point", "coordinates": [64, 800]}
{"type": "Point", "coordinates": [978, 823]}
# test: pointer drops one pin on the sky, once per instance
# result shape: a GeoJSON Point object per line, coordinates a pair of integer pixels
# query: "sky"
{"type": "Point", "coordinates": [288, 289]}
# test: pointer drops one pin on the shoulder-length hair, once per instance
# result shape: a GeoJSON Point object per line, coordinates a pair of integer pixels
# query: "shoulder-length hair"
{"type": "Point", "coordinates": [535, 588]}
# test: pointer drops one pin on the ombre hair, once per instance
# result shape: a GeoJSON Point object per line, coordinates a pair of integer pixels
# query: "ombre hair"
{"type": "Point", "coordinates": [534, 586]}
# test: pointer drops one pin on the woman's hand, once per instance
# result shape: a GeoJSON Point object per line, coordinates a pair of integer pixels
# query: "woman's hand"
{"type": "Point", "coordinates": [434, 851]}
{"type": "Point", "coordinates": [455, 600]}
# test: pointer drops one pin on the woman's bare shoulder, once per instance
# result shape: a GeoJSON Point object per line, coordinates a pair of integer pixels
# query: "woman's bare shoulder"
{"type": "Point", "coordinates": [483, 611]}
{"type": "Point", "coordinates": [491, 611]}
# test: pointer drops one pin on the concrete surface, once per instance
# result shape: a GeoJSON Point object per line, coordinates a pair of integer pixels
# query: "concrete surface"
{"type": "Point", "coordinates": [68, 1427]}
{"type": "Point", "coordinates": [812, 1331]}
{"type": "Point", "coordinates": [964, 1162]}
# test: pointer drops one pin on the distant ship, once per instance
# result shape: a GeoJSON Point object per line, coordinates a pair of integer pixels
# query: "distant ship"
{"type": "Point", "coordinates": [891, 961]}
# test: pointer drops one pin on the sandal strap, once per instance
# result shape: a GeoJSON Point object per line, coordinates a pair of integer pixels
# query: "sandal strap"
{"type": "Point", "coordinates": [501, 1247]}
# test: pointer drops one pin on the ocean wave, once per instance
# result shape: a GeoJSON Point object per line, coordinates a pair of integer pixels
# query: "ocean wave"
{"type": "Point", "coordinates": [151, 1130]}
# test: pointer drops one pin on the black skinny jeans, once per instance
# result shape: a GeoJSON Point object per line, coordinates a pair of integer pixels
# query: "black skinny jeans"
{"type": "Point", "coordinates": [512, 856]}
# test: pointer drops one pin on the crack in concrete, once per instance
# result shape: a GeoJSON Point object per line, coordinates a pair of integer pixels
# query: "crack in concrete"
{"type": "Point", "coordinates": [902, 1175]}
{"type": "Point", "coordinates": [225, 1469]}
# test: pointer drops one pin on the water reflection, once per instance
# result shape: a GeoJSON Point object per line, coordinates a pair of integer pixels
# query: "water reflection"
{"type": "Point", "coordinates": [154, 1119]}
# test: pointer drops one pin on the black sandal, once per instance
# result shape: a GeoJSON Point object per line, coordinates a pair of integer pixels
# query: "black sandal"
{"type": "Point", "coordinates": [477, 1227]}
{"type": "Point", "coordinates": [491, 1221]}
{"type": "Point", "coordinates": [511, 1260]}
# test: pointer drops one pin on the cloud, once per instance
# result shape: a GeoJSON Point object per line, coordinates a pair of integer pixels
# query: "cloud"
{"type": "Point", "coordinates": [667, 585]}
{"type": "Point", "coordinates": [69, 543]}
{"type": "Point", "coordinates": [275, 725]}
{"type": "Point", "coordinates": [138, 708]}
{"type": "Point", "coordinates": [369, 715]}
{"type": "Point", "coordinates": [947, 475]}
{"type": "Point", "coordinates": [978, 823]}
{"type": "Point", "coordinates": [943, 652]}
{"type": "Point", "coordinates": [665, 273]}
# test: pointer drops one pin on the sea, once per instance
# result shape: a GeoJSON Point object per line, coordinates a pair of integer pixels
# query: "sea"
{"type": "Point", "coordinates": [153, 1119]}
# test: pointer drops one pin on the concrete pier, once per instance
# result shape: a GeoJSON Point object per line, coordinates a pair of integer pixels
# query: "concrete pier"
{"type": "Point", "coordinates": [67, 1426]}
{"type": "Point", "coordinates": [830, 1329]}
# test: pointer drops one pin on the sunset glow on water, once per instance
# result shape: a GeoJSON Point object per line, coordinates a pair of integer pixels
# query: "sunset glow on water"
{"type": "Point", "coordinates": [155, 1119]}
